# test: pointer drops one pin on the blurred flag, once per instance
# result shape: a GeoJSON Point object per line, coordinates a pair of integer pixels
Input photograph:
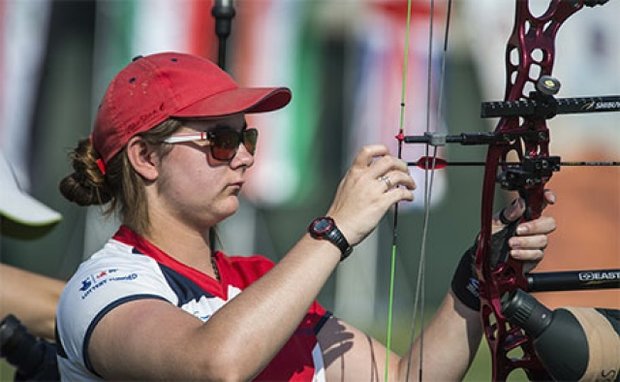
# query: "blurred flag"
{"type": "Point", "coordinates": [276, 45]}
{"type": "Point", "coordinates": [378, 66]}
{"type": "Point", "coordinates": [125, 29]}
{"type": "Point", "coordinates": [23, 35]}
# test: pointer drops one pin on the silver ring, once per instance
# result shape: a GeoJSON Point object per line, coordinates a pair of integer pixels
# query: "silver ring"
{"type": "Point", "coordinates": [386, 180]}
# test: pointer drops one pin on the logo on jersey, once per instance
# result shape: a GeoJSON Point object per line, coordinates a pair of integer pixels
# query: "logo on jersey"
{"type": "Point", "coordinates": [86, 283]}
{"type": "Point", "coordinates": [102, 278]}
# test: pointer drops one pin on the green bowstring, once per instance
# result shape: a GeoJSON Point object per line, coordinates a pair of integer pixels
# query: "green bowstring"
{"type": "Point", "coordinates": [401, 130]}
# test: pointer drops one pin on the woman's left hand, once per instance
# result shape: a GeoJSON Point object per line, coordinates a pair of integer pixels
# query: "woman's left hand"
{"type": "Point", "coordinates": [531, 237]}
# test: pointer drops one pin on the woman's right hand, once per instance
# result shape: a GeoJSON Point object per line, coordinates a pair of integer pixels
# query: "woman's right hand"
{"type": "Point", "coordinates": [368, 189]}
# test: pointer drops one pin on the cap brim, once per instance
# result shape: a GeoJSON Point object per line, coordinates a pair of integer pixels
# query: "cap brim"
{"type": "Point", "coordinates": [19, 206]}
{"type": "Point", "coordinates": [239, 100]}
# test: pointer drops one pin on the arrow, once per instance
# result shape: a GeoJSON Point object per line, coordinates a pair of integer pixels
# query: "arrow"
{"type": "Point", "coordinates": [426, 163]}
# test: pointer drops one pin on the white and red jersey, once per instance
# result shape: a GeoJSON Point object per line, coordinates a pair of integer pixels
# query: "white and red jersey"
{"type": "Point", "coordinates": [129, 268]}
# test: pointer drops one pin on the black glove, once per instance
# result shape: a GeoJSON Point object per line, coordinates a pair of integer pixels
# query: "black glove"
{"type": "Point", "coordinates": [465, 284]}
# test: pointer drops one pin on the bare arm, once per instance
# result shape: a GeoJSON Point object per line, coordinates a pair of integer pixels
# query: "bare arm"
{"type": "Point", "coordinates": [451, 338]}
{"type": "Point", "coordinates": [450, 343]}
{"type": "Point", "coordinates": [239, 340]}
{"type": "Point", "coordinates": [235, 344]}
{"type": "Point", "coordinates": [152, 339]}
{"type": "Point", "coordinates": [31, 297]}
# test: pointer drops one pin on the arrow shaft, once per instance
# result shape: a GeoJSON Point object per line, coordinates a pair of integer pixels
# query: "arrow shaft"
{"type": "Point", "coordinates": [422, 163]}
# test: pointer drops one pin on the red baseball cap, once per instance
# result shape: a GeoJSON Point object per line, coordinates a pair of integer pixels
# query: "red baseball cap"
{"type": "Point", "coordinates": [153, 88]}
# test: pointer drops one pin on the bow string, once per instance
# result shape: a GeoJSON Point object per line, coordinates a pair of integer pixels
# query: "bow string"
{"type": "Point", "coordinates": [394, 247]}
{"type": "Point", "coordinates": [429, 172]}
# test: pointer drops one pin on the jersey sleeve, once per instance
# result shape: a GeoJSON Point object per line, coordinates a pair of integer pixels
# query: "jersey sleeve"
{"type": "Point", "coordinates": [100, 285]}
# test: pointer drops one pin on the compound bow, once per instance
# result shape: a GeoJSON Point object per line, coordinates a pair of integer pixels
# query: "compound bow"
{"type": "Point", "coordinates": [522, 131]}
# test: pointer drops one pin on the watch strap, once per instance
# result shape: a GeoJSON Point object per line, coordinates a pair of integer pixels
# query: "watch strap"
{"type": "Point", "coordinates": [337, 238]}
{"type": "Point", "coordinates": [333, 235]}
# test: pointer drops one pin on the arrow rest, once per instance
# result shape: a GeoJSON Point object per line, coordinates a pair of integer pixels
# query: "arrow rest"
{"type": "Point", "coordinates": [530, 173]}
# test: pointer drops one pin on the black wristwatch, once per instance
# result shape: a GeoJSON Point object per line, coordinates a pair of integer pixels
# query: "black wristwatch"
{"type": "Point", "coordinates": [325, 228]}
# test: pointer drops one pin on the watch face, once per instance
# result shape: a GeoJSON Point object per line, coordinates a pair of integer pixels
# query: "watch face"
{"type": "Point", "coordinates": [322, 226]}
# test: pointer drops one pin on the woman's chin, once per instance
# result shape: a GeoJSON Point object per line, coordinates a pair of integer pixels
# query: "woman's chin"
{"type": "Point", "coordinates": [229, 207]}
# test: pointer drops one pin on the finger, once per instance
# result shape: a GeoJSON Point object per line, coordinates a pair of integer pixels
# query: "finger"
{"type": "Point", "coordinates": [367, 155]}
{"type": "Point", "coordinates": [395, 195]}
{"type": "Point", "coordinates": [394, 179]}
{"type": "Point", "coordinates": [531, 255]}
{"type": "Point", "coordinates": [528, 242]}
{"type": "Point", "coordinates": [385, 164]}
{"type": "Point", "coordinates": [542, 225]}
{"type": "Point", "coordinates": [550, 197]}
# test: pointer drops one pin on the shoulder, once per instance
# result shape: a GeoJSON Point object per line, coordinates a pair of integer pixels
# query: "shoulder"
{"type": "Point", "coordinates": [114, 260]}
{"type": "Point", "coordinates": [112, 273]}
{"type": "Point", "coordinates": [109, 278]}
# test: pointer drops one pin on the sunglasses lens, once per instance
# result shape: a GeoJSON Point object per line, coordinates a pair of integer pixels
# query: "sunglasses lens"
{"type": "Point", "coordinates": [250, 136]}
{"type": "Point", "coordinates": [225, 142]}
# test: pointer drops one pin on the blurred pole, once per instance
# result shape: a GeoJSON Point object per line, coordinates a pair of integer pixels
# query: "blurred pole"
{"type": "Point", "coordinates": [223, 11]}
{"type": "Point", "coordinates": [237, 233]}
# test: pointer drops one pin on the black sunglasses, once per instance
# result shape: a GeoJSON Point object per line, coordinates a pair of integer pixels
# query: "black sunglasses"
{"type": "Point", "coordinates": [224, 141]}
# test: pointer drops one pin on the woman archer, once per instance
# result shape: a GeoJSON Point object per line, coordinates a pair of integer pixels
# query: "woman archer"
{"type": "Point", "coordinates": [169, 152]}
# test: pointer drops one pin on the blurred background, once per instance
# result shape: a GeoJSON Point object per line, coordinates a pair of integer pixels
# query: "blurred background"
{"type": "Point", "coordinates": [343, 61]}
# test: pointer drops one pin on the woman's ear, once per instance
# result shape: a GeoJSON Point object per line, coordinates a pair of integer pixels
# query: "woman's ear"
{"type": "Point", "coordinates": [142, 158]}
